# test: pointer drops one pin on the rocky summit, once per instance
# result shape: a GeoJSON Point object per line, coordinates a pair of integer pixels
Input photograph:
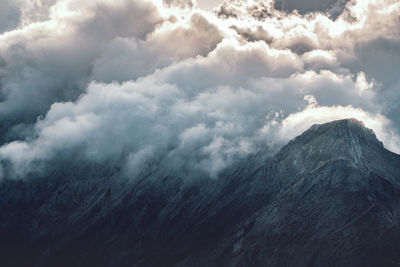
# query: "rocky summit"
{"type": "Point", "coordinates": [330, 197]}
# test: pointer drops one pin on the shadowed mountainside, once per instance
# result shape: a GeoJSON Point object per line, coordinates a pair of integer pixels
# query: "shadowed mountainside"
{"type": "Point", "coordinates": [330, 197]}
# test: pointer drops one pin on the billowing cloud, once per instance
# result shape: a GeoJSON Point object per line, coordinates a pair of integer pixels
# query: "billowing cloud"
{"type": "Point", "coordinates": [141, 84]}
{"type": "Point", "coordinates": [45, 62]}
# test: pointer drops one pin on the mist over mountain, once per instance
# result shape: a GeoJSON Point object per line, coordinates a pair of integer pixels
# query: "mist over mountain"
{"type": "Point", "coordinates": [330, 197]}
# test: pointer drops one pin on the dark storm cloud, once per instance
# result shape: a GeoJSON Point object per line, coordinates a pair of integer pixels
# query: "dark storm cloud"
{"type": "Point", "coordinates": [380, 59]}
{"type": "Point", "coordinates": [333, 7]}
{"type": "Point", "coordinates": [9, 15]}
{"type": "Point", "coordinates": [17, 13]}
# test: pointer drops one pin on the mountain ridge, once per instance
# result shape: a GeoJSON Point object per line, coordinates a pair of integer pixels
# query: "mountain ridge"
{"type": "Point", "coordinates": [330, 197]}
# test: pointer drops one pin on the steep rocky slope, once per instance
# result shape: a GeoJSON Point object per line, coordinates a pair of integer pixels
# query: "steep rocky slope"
{"type": "Point", "coordinates": [331, 197]}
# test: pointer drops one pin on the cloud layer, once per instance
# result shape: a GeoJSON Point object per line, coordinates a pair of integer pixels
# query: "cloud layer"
{"type": "Point", "coordinates": [144, 83]}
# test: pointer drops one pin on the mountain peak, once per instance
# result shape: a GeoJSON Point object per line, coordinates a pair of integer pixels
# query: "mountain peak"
{"type": "Point", "coordinates": [350, 131]}
{"type": "Point", "coordinates": [351, 122]}
{"type": "Point", "coordinates": [346, 139]}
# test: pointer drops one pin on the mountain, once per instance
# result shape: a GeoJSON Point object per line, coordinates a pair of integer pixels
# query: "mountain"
{"type": "Point", "coordinates": [330, 197]}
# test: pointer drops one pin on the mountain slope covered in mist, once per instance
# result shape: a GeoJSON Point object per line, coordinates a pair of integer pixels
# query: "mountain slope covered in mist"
{"type": "Point", "coordinates": [330, 197]}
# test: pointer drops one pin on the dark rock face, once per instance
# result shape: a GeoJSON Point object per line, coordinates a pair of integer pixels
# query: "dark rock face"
{"type": "Point", "coordinates": [331, 197]}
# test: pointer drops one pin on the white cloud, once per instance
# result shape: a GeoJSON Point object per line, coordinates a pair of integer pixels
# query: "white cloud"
{"type": "Point", "coordinates": [139, 84]}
